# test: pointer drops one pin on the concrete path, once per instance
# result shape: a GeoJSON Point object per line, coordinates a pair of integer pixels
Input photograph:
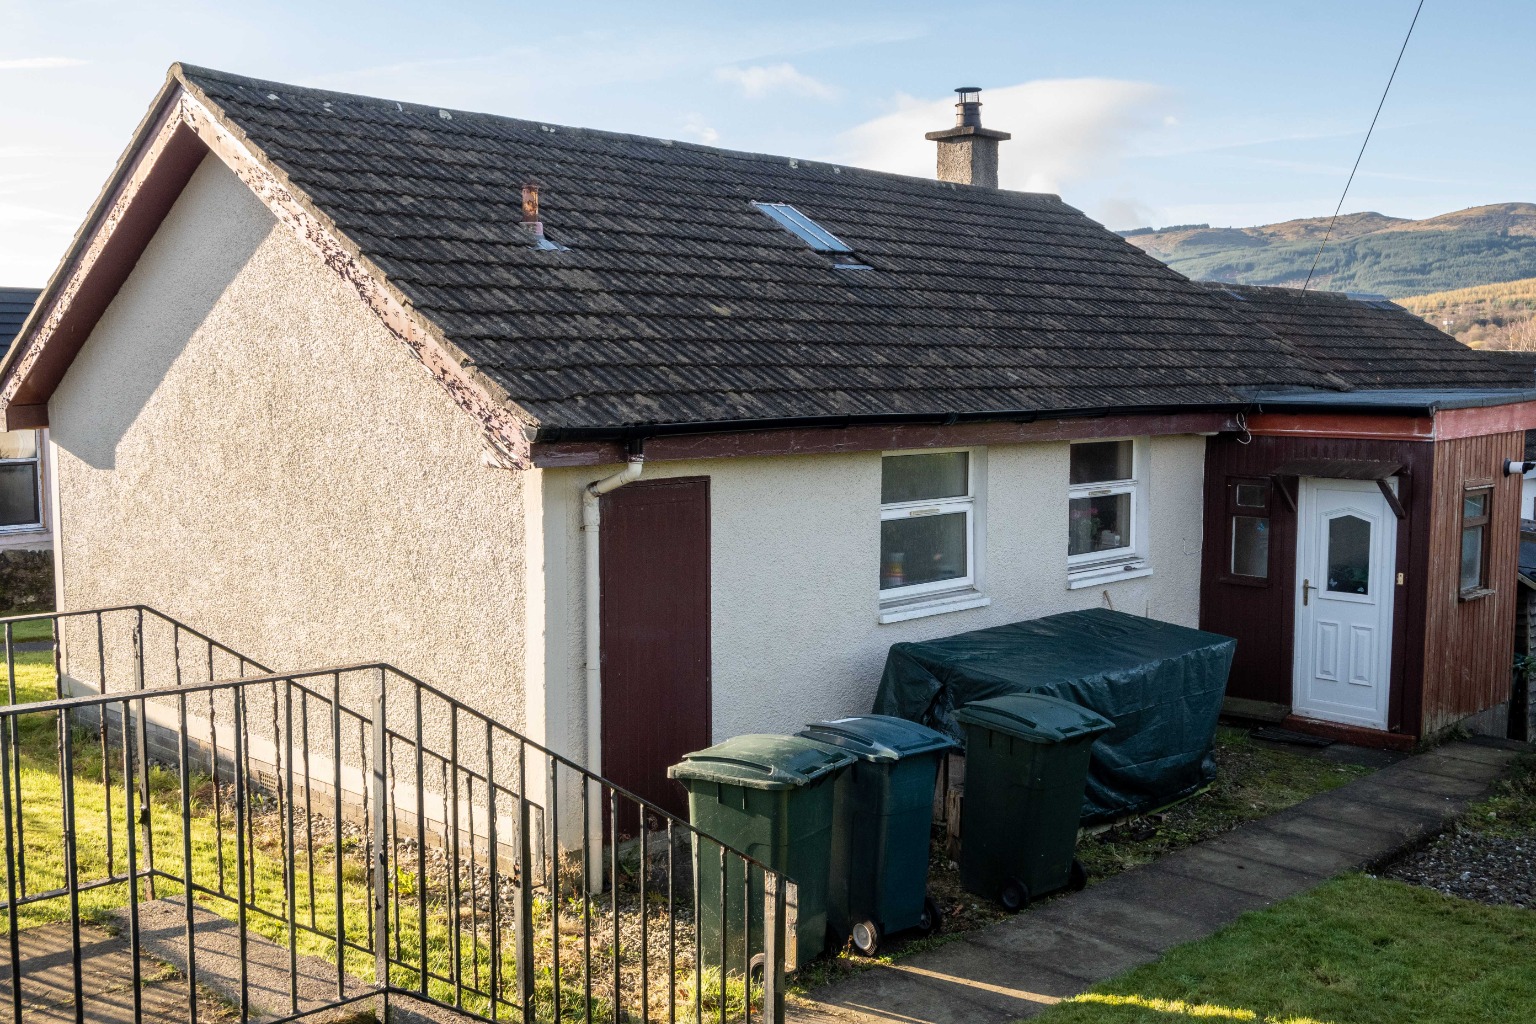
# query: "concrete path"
{"type": "Point", "coordinates": [162, 930]}
{"type": "Point", "coordinates": [1064, 946]}
{"type": "Point", "coordinates": [106, 980]}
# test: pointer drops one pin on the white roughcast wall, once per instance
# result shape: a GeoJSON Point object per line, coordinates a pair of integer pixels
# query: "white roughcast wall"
{"type": "Point", "coordinates": [242, 445]}
{"type": "Point", "coordinates": [795, 562]}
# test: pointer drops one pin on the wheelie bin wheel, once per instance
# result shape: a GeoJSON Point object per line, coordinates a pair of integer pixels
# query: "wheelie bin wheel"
{"type": "Point", "coordinates": [1014, 896]}
{"type": "Point", "coordinates": [866, 938]}
{"type": "Point", "coordinates": [932, 920]}
{"type": "Point", "coordinates": [1077, 879]}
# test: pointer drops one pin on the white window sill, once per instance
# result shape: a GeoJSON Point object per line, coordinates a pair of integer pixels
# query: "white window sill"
{"type": "Point", "coordinates": [1113, 572]}
{"type": "Point", "coordinates": [932, 604]}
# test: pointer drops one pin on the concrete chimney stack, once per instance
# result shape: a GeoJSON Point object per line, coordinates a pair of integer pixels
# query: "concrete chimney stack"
{"type": "Point", "coordinates": [968, 152]}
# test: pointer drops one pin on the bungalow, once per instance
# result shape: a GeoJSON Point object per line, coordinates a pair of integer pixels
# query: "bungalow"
{"type": "Point", "coordinates": [633, 443]}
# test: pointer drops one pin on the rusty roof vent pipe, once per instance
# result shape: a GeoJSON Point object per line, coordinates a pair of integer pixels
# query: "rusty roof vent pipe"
{"type": "Point", "coordinates": [531, 209]}
{"type": "Point", "coordinates": [968, 152]}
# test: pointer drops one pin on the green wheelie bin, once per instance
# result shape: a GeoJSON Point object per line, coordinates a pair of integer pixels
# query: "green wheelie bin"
{"type": "Point", "coordinates": [1026, 764]}
{"type": "Point", "coordinates": [880, 848]}
{"type": "Point", "coordinates": [771, 797]}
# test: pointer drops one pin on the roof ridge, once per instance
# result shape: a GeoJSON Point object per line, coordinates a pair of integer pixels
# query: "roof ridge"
{"type": "Point", "coordinates": [183, 71]}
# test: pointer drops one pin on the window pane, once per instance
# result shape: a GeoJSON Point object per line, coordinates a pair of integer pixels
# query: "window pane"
{"type": "Point", "coordinates": [1100, 461]}
{"type": "Point", "coordinates": [1251, 495]}
{"type": "Point", "coordinates": [1250, 546]}
{"type": "Point", "coordinates": [1099, 524]}
{"type": "Point", "coordinates": [1471, 558]}
{"type": "Point", "coordinates": [18, 495]}
{"type": "Point", "coordinates": [1474, 505]}
{"type": "Point", "coordinates": [923, 477]}
{"type": "Point", "coordinates": [922, 549]}
{"type": "Point", "coordinates": [1349, 555]}
{"type": "Point", "coordinates": [18, 444]}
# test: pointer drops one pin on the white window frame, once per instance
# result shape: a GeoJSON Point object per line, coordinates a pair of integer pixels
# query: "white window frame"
{"type": "Point", "coordinates": [936, 506]}
{"type": "Point", "coordinates": [36, 462]}
{"type": "Point", "coordinates": [1129, 560]}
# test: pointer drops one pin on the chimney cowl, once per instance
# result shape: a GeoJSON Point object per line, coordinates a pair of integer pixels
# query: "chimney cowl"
{"type": "Point", "coordinates": [968, 107]}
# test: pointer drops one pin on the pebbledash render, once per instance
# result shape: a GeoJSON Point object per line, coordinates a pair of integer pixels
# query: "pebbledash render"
{"type": "Point", "coordinates": [634, 444]}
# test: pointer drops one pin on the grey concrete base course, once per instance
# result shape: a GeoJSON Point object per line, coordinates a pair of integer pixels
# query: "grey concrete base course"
{"type": "Point", "coordinates": [1065, 946]}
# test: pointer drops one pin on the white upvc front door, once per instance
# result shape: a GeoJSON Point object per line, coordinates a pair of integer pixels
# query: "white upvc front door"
{"type": "Point", "coordinates": [1346, 562]}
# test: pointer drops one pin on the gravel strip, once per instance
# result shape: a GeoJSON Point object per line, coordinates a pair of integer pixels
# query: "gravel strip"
{"type": "Point", "coordinates": [1493, 869]}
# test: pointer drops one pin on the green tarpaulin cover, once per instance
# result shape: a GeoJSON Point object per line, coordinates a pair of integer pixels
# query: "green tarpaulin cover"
{"type": "Point", "coordinates": [1159, 683]}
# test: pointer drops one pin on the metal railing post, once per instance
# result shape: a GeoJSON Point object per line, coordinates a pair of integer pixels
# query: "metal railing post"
{"type": "Point", "coordinates": [141, 743]}
{"type": "Point", "coordinates": [381, 880]}
{"type": "Point", "coordinates": [522, 952]}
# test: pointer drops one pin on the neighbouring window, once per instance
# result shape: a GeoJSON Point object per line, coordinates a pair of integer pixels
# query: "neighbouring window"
{"type": "Point", "coordinates": [21, 499]}
{"type": "Point", "coordinates": [1248, 516]}
{"type": "Point", "coordinates": [1101, 504]}
{"type": "Point", "coordinates": [927, 512]}
{"type": "Point", "coordinates": [1476, 507]}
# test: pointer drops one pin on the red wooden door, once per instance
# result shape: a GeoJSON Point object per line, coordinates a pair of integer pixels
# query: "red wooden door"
{"type": "Point", "coordinates": [655, 633]}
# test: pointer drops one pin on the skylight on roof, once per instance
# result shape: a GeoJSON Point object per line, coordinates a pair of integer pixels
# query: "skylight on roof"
{"type": "Point", "coordinates": [803, 228]}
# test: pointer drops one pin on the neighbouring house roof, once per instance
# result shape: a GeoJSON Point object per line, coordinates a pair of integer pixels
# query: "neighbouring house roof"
{"type": "Point", "coordinates": [1370, 341]}
{"type": "Point", "coordinates": [676, 301]}
{"type": "Point", "coordinates": [1521, 365]}
{"type": "Point", "coordinates": [15, 304]}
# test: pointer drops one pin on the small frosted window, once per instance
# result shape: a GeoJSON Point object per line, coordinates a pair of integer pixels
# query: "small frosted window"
{"type": "Point", "coordinates": [1250, 546]}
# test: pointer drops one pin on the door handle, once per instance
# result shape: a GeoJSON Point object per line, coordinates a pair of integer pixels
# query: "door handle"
{"type": "Point", "coordinates": [1306, 591]}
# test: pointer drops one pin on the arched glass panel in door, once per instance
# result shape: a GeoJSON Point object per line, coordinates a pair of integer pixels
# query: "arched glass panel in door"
{"type": "Point", "coordinates": [1349, 555]}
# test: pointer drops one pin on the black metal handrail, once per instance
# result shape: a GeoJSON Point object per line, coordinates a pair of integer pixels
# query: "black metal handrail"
{"type": "Point", "coordinates": [442, 822]}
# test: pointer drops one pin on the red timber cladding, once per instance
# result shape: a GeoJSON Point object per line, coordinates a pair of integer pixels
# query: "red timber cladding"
{"type": "Point", "coordinates": [1262, 615]}
{"type": "Point", "coordinates": [1468, 645]}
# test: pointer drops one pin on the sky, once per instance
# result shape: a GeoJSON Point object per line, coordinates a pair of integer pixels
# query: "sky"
{"type": "Point", "coordinates": [1140, 113]}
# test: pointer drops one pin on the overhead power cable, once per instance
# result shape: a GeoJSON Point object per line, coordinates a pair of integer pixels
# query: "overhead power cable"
{"type": "Point", "coordinates": [1329, 233]}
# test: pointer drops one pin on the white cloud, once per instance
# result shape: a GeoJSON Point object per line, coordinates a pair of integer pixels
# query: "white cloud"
{"type": "Point", "coordinates": [35, 63]}
{"type": "Point", "coordinates": [760, 80]}
{"type": "Point", "coordinates": [1120, 213]}
{"type": "Point", "coordinates": [696, 126]}
{"type": "Point", "coordinates": [1064, 130]}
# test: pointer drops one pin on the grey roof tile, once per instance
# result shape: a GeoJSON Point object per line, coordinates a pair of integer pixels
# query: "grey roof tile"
{"type": "Point", "coordinates": [676, 301]}
{"type": "Point", "coordinates": [1372, 343]}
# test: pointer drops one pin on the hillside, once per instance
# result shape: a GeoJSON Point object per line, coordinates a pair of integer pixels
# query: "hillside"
{"type": "Point", "coordinates": [1489, 316]}
{"type": "Point", "coordinates": [1369, 252]}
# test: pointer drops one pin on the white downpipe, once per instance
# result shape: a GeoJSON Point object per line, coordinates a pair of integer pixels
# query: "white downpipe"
{"type": "Point", "coordinates": [592, 607]}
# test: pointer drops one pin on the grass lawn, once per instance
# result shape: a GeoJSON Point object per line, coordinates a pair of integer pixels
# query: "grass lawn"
{"type": "Point", "coordinates": [1357, 950]}
{"type": "Point", "coordinates": [27, 632]}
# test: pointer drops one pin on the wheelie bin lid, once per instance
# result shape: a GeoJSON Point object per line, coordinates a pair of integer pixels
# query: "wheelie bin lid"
{"type": "Point", "coordinates": [1034, 716]}
{"type": "Point", "coordinates": [882, 738]}
{"type": "Point", "coordinates": [760, 761]}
